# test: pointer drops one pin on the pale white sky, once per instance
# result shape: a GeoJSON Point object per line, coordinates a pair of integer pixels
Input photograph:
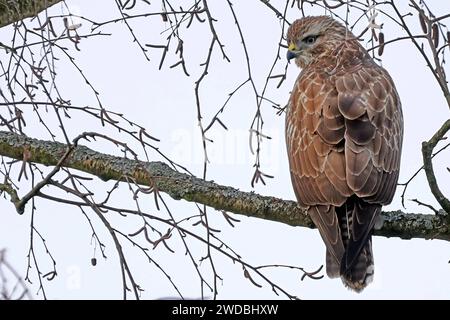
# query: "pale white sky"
{"type": "Point", "coordinates": [164, 103]}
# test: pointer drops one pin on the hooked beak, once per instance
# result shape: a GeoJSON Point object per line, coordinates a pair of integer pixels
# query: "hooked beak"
{"type": "Point", "coordinates": [292, 52]}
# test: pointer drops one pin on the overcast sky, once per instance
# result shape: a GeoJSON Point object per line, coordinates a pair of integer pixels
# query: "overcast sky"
{"type": "Point", "coordinates": [164, 103]}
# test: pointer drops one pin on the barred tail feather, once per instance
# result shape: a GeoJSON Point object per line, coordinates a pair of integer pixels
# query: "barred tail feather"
{"type": "Point", "coordinates": [356, 221]}
{"type": "Point", "coordinates": [362, 272]}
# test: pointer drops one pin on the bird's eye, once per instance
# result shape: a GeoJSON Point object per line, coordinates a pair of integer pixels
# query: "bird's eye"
{"type": "Point", "coordinates": [310, 39]}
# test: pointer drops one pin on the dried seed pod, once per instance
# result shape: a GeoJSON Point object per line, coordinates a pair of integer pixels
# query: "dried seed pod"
{"type": "Point", "coordinates": [374, 35]}
{"type": "Point", "coordinates": [381, 42]}
{"type": "Point", "coordinates": [435, 34]}
{"type": "Point", "coordinates": [423, 24]}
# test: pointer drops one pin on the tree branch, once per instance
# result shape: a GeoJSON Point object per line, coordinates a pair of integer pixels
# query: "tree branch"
{"type": "Point", "coordinates": [15, 10]}
{"type": "Point", "coordinates": [182, 186]}
{"type": "Point", "coordinates": [8, 188]}
{"type": "Point", "coordinates": [427, 150]}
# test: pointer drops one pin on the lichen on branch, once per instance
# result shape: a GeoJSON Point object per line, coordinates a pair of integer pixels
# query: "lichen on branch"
{"type": "Point", "coordinates": [183, 186]}
{"type": "Point", "coordinates": [16, 10]}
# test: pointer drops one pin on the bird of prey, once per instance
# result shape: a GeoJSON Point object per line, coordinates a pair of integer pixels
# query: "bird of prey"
{"type": "Point", "coordinates": [344, 132]}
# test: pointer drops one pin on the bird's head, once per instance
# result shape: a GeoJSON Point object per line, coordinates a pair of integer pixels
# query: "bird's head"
{"type": "Point", "coordinates": [311, 37]}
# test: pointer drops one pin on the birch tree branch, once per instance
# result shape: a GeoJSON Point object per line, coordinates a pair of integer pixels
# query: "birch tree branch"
{"type": "Point", "coordinates": [183, 186]}
{"type": "Point", "coordinates": [15, 10]}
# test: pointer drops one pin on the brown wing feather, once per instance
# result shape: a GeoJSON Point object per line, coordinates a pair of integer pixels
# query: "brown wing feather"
{"type": "Point", "coordinates": [326, 220]}
{"type": "Point", "coordinates": [373, 138]}
{"type": "Point", "coordinates": [314, 132]}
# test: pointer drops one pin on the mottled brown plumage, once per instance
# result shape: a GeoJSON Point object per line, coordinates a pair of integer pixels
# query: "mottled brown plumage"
{"type": "Point", "coordinates": [344, 129]}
